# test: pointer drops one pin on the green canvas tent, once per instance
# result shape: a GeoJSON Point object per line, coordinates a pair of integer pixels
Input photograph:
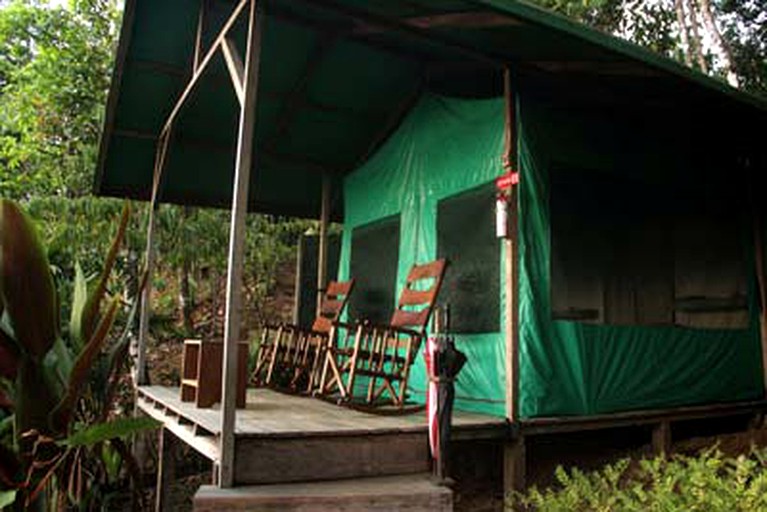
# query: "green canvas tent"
{"type": "Point", "coordinates": [637, 280]}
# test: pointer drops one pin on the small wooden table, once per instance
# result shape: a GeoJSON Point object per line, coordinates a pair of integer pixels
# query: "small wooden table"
{"type": "Point", "coordinates": [201, 372]}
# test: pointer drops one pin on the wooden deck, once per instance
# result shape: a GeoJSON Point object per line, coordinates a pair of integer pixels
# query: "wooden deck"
{"type": "Point", "coordinates": [284, 438]}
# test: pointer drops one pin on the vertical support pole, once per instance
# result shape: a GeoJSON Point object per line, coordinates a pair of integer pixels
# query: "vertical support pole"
{"type": "Point", "coordinates": [299, 280]}
{"type": "Point", "coordinates": [166, 468]}
{"type": "Point", "coordinates": [661, 438]}
{"type": "Point", "coordinates": [322, 257]}
{"type": "Point", "coordinates": [511, 256]}
{"type": "Point", "coordinates": [237, 245]}
{"type": "Point", "coordinates": [146, 296]}
{"type": "Point", "coordinates": [515, 466]}
{"type": "Point", "coordinates": [760, 278]}
{"type": "Point", "coordinates": [515, 456]}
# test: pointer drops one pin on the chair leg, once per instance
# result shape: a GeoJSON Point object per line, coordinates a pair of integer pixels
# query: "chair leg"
{"type": "Point", "coordinates": [274, 356]}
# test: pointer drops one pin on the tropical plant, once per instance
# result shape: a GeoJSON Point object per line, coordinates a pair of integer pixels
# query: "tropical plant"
{"type": "Point", "coordinates": [706, 482]}
{"type": "Point", "coordinates": [60, 387]}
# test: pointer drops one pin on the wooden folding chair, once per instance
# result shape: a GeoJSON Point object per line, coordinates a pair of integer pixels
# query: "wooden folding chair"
{"type": "Point", "coordinates": [384, 353]}
{"type": "Point", "coordinates": [289, 354]}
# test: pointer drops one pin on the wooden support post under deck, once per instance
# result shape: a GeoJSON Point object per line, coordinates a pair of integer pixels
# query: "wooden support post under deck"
{"type": "Point", "coordinates": [322, 257]}
{"type": "Point", "coordinates": [237, 245]}
{"type": "Point", "coordinates": [661, 438]}
{"type": "Point", "coordinates": [166, 469]}
{"type": "Point", "coordinates": [515, 466]}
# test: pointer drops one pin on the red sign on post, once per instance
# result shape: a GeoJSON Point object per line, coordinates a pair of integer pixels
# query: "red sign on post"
{"type": "Point", "coordinates": [506, 181]}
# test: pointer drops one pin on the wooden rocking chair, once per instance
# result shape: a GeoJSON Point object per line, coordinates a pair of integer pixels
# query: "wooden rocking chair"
{"type": "Point", "coordinates": [289, 354]}
{"type": "Point", "coordinates": [384, 354]}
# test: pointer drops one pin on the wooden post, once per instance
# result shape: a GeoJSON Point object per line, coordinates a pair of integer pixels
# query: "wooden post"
{"type": "Point", "coordinates": [146, 296]}
{"type": "Point", "coordinates": [661, 438]}
{"type": "Point", "coordinates": [166, 469]}
{"type": "Point", "coordinates": [511, 256]}
{"type": "Point", "coordinates": [322, 246]}
{"type": "Point", "coordinates": [299, 280]}
{"type": "Point", "coordinates": [237, 245]}
{"type": "Point", "coordinates": [198, 37]}
{"type": "Point", "coordinates": [515, 466]}
{"type": "Point", "coordinates": [515, 457]}
{"type": "Point", "coordinates": [760, 277]}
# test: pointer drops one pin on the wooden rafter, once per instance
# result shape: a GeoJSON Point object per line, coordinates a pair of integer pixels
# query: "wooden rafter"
{"type": "Point", "coordinates": [364, 18]}
{"type": "Point", "coordinates": [235, 67]}
{"type": "Point", "coordinates": [215, 47]}
{"type": "Point", "coordinates": [461, 20]}
{"type": "Point", "coordinates": [297, 97]}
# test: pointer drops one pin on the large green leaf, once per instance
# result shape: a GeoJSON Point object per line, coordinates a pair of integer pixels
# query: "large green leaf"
{"type": "Point", "coordinates": [100, 432]}
{"type": "Point", "coordinates": [34, 399]}
{"type": "Point", "coordinates": [26, 283]}
{"type": "Point", "coordinates": [7, 498]}
{"type": "Point", "coordinates": [79, 300]}
{"type": "Point", "coordinates": [62, 414]}
{"type": "Point", "coordinates": [90, 313]}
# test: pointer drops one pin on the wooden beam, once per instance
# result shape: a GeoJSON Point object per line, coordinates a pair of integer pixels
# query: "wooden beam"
{"type": "Point", "coordinates": [366, 18]}
{"type": "Point", "coordinates": [166, 470]}
{"type": "Point", "coordinates": [297, 96]}
{"type": "Point", "coordinates": [198, 49]}
{"type": "Point", "coordinates": [204, 64]}
{"type": "Point", "coordinates": [661, 438]}
{"type": "Point", "coordinates": [515, 465]}
{"type": "Point", "coordinates": [761, 280]}
{"type": "Point", "coordinates": [511, 254]}
{"type": "Point", "coordinates": [235, 67]}
{"type": "Point", "coordinates": [322, 247]}
{"type": "Point", "coordinates": [557, 425]}
{"type": "Point", "coordinates": [243, 166]}
{"type": "Point", "coordinates": [146, 298]}
{"type": "Point", "coordinates": [458, 20]}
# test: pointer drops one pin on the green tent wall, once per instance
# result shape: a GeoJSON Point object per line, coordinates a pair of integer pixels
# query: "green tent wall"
{"type": "Point", "coordinates": [448, 145]}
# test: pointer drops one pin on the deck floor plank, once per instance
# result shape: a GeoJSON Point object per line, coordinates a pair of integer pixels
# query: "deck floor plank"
{"type": "Point", "coordinates": [272, 414]}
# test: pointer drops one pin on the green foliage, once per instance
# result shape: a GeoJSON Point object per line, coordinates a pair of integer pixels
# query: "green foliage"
{"type": "Point", "coordinates": [709, 482]}
{"type": "Point", "coordinates": [54, 75]}
{"type": "Point", "coordinates": [64, 386]}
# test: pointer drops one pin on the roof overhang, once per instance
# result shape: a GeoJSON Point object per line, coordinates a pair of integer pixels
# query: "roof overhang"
{"type": "Point", "coordinates": [336, 78]}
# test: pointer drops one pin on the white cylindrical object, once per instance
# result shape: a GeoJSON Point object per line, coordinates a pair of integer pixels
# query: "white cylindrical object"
{"type": "Point", "coordinates": [501, 217]}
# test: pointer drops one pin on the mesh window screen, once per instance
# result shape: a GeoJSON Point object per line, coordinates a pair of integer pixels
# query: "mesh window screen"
{"type": "Point", "coordinates": [630, 253]}
{"type": "Point", "coordinates": [375, 252]}
{"type": "Point", "coordinates": [611, 253]}
{"type": "Point", "coordinates": [466, 237]}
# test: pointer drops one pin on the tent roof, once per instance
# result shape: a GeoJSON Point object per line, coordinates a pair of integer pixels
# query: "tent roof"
{"type": "Point", "coordinates": [336, 78]}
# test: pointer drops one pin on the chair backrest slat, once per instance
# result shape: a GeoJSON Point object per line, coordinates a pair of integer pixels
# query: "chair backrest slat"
{"type": "Point", "coordinates": [333, 302]}
{"type": "Point", "coordinates": [419, 296]}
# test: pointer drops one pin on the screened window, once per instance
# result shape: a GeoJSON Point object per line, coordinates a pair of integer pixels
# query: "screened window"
{"type": "Point", "coordinates": [375, 252]}
{"type": "Point", "coordinates": [466, 237]}
{"type": "Point", "coordinates": [632, 253]}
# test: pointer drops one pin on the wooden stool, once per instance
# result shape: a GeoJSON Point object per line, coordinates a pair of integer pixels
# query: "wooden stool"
{"type": "Point", "coordinates": [201, 372]}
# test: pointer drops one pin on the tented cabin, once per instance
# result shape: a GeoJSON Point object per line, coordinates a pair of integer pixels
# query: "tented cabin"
{"type": "Point", "coordinates": [629, 283]}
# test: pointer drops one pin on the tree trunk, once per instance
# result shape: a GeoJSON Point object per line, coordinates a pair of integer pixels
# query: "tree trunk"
{"type": "Point", "coordinates": [724, 48]}
{"type": "Point", "coordinates": [696, 39]}
{"type": "Point", "coordinates": [683, 31]}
